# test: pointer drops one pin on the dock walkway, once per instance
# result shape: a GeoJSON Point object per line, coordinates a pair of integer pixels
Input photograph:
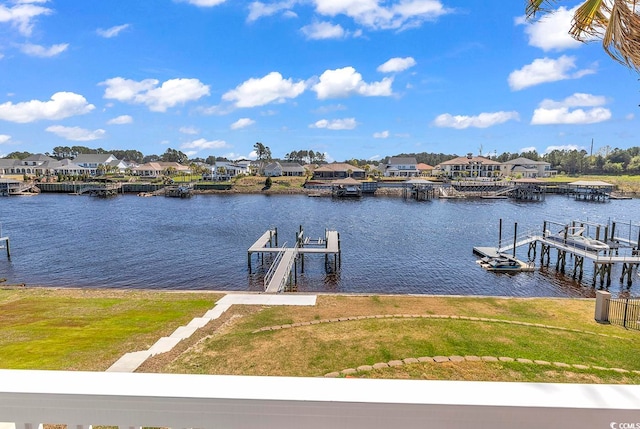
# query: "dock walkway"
{"type": "Point", "coordinates": [285, 262]}
{"type": "Point", "coordinates": [276, 281]}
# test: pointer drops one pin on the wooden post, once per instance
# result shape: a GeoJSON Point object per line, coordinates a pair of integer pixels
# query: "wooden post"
{"type": "Point", "coordinates": [249, 261]}
{"type": "Point", "coordinates": [8, 249]}
{"type": "Point", "coordinates": [613, 230]}
{"type": "Point", "coordinates": [500, 234]}
{"type": "Point", "coordinates": [515, 238]}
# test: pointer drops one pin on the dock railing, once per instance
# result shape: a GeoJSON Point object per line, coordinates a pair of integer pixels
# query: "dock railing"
{"type": "Point", "coordinates": [274, 265]}
{"type": "Point", "coordinates": [284, 256]}
{"type": "Point", "coordinates": [520, 240]}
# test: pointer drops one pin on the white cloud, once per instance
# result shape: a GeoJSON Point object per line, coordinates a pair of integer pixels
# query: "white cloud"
{"type": "Point", "coordinates": [346, 81]}
{"type": "Point", "coordinates": [62, 105]}
{"type": "Point", "coordinates": [335, 124]}
{"type": "Point", "coordinates": [258, 9]}
{"type": "Point", "coordinates": [120, 120]}
{"type": "Point", "coordinates": [158, 98]}
{"type": "Point", "coordinates": [576, 100]}
{"type": "Point", "coordinates": [204, 144]}
{"type": "Point", "coordinates": [189, 130]}
{"type": "Point", "coordinates": [483, 120]}
{"type": "Point", "coordinates": [562, 147]}
{"type": "Point", "coordinates": [269, 89]}
{"type": "Point", "coordinates": [204, 3]}
{"type": "Point", "coordinates": [331, 108]}
{"type": "Point", "coordinates": [242, 123]}
{"type": "Point", "coordinates": [323, 30]}
{"type": "Point", "coordinates": [544, 70]}
{"type": "Point", "coordinates": [528, 149]}
{"type": "Point", "coordinates": [395, 15]}
{"type": "Point", "coordinates": [565, 116]}
{"type": "Point", "coordinates": [629, 117]}
{"type": "Point", "coordinates": [397, 64]}
{"type": "Point", "coordinates": [76, 133]}
{"type": "Point", "coordinates": [551, 32]}
{"type": "Point", "coordinates": [568, 111]}
{"type": "Point", "coordinates": [22, 15]}
{"type": "Point", "coordinates": [43, 52]}
{"type": "Point", "coordinates": [4, 138]}
{"type": "Point", "coordinates": [111, 32]}
{"type": "Point", "coordinates": [381, 135]}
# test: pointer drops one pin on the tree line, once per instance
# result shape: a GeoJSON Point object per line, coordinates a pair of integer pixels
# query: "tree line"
{"type": "Point", "coordinates": [606, 160]}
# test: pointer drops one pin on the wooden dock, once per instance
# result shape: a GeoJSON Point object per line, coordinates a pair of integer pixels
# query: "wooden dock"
{"type": "Point", "coordinates": [284, 267]}
{"type": "Point", "coordinates": [618, 248]}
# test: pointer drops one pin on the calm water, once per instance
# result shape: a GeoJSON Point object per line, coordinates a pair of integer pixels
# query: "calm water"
{"type": "Point", "coordinates": [389, 245]}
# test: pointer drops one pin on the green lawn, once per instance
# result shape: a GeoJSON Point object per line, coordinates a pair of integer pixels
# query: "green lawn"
{"type": "Point", "coordinates": [87, 330]}
{"type": "Point", "coordinates": [72, 329]}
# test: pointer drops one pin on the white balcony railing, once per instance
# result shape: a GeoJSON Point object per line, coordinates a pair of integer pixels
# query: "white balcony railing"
{"type": "Point", "coordinates": [29, 398]}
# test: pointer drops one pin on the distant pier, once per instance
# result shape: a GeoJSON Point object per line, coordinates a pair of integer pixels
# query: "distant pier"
{"type": "Point", "coordinates": [284, 267]}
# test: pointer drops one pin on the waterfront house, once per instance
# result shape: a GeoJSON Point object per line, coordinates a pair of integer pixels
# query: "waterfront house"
{"type": "Point", "coordinates": [33, 165]}
{"type": "Point", "coordinates": [468, 166]}
{"type": "Point", "coordinates": [527, 168]}
{"type": "Point", "coordinates": [7, 166]}
{"type": "Point", "coordinates": [70, 168]}
{"type": "Point", "coordinates": [160, 168]}
{"type": "Point", "coordinates": [424, 169]}
{"type": "Point", "coordinates": [338, 170]}
{"type": "Point", "coordinates": [226, 170]}
{"type": "Point", "coordinates": [275, 169]}
{"type": "Point", "coordinates": [401, 167]}
{"type": "Point", "coordinates": [99, 161]}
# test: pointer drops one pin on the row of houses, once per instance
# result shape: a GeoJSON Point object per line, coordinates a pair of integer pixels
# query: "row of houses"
{"type": "Point", "coordinates": [461, 167]}
{"type": "Point", "coordinates": [458, 168]}
{"type": "Point", "coordinates": [468, 166]}
{"type": "Point", "coordinates": [85, 165]}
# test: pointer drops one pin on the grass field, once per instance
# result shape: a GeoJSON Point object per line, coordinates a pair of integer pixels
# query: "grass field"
{"type": "Point", "coordinates": [231, 345]}
{"type": "Point", "coordinates": [89, 330]}
{"type": "Point", "coordinates": [74, 329]}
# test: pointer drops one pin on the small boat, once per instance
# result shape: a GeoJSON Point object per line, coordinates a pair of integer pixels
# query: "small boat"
{"type": "Point", "coordinates": [504, 263]}
{"type": "Point", "coordinates": [573, 237]}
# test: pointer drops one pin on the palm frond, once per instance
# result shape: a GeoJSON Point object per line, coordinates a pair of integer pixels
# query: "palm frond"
{"type": "Point", "coordinates": [616, 22]}
{"type": "Point", "coordinates": [590, 19]}
{"type": "Point", "coordinates": [621, 39]}
{"type": "Point", "coordinates": [535, 7]}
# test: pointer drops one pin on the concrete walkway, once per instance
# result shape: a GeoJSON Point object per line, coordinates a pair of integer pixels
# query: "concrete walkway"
{"type": "Point", "coordinates": [131, 361]}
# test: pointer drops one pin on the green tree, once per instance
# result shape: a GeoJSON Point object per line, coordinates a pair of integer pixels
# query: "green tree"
{"type": "Point", "coordinates": [634, 165]}
{"type": "Point", "coordinates": [263, 153]}
{"type": "Point", "coordinates": [616, 22]}
{"type": "Point", "coordinates": [18, 155]}
{"type": "Point", "coordinates": [174, 155]}
{"type": "Point", "coordinates": [613, 167]}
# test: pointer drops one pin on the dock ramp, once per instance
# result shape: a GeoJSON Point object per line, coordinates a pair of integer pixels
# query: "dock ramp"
{"type": "Point", "coordinates": [280, 270]}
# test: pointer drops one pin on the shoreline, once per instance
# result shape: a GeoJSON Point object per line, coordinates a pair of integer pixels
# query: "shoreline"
{"type": "Point", "coordinates": [25, 287]}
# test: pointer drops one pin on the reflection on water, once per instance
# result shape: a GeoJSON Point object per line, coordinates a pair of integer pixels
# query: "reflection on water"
{"type": "Point", "coordinates": [389, 245]}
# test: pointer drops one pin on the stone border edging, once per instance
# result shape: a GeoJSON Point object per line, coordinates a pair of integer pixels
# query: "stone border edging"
{"type": "Point", "coordinates": [430, 316]}
{"type": "Point", "coordinates": [456, 359]}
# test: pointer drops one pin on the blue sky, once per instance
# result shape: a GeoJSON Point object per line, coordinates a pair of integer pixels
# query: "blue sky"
{"type": "Point", "coordinates": [350, 78]}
